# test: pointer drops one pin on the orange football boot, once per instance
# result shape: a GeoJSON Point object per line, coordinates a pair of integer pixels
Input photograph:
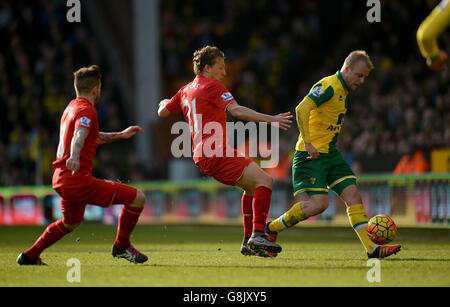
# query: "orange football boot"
{"type": "Point", "coordinates": [383, 251]}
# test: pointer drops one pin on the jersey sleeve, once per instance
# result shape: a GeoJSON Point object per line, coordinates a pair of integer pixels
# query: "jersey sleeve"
{"type": "Point", "coordinates": [174, 105]}
{"type": "Point", "coordinates": [303, 111]}
{"type": "Point", "coordinates": [85, 118]}
{"type": "Point", "coordinates": [221, 96]}
{"type": "Point", "coordinates": [321, 93]}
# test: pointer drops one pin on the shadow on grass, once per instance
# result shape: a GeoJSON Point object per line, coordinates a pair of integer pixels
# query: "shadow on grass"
{"type": "Point", "coordinates": [254, 267]}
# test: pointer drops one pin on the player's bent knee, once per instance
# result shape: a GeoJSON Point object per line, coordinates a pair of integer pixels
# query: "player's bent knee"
{"type": "Point", "coordinates": [140, 199]}
{"type": "Point", "coordinates": [270, 181]}
{"type": "Point", "coordinates": [71, 227]}
{"type": "Point", "coordinates": [266, 181]}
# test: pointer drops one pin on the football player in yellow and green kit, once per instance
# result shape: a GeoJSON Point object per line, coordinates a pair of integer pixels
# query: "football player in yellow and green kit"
{"type": "Point", "coordinates": [318, 165]}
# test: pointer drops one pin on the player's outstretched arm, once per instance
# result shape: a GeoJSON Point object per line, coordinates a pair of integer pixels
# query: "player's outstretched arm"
{"type": "Point", "coordinates": [79, 136]}
{"type": "Point", "coordinates": [244, 113]}
{"type": "Point", "coordinates": [108, 137]}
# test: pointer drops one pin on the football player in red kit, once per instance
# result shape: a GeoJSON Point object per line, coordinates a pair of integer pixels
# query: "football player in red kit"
{"type": "Point", "coordinates": [72, 178]}
{"type": "Point", "coordinates": [204, 103]}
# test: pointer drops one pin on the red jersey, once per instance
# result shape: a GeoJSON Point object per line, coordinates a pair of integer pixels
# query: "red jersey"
{"type": "Point", "coordinates": [204, 102]}
{"type": "Point", "coordinates": [79, 113]}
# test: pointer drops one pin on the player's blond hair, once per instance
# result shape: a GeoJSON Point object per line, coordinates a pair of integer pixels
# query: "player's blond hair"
{"type": "Point", "coordinates": [206, 56]}
{"type": "Point", "coordinates": [86, 78]}
{"type": "Point", "coordinates": [357, 56]}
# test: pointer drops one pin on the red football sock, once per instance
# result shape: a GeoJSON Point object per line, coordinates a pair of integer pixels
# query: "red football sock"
{"type": "Point", "coordinates": [127, 221]}
{"type": "Point", "coordinates": [261, 207]}
{"type": "Point", "coordinates": [53, 233]}
{"type": "Point", "coordinates": [247, 213]}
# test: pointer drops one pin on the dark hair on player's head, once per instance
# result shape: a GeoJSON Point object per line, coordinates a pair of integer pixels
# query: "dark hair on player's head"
{"type": "Point", "coordinates": [206, 56]}
{"type": "Point", "coordinates": [86, 78]}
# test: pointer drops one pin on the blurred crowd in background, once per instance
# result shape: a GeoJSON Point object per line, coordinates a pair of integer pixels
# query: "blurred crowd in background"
{"type": "Point", "coordinates": [275, 52]}
{"type": "Point", "coordinates": [39, 52]}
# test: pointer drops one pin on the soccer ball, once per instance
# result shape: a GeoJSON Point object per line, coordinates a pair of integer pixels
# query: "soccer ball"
{"type": "Point", "coordinates": [381, 229]}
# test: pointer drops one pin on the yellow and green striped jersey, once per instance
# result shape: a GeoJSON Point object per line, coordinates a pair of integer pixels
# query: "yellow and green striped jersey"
{"type": "Point", "coordinates": [325, 121]}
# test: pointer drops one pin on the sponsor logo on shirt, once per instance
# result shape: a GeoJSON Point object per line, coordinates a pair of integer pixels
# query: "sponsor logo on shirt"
{"type": "Point", "coordinates": [227, 96]}
{"type": "Point", "coordinates": [85, 122]}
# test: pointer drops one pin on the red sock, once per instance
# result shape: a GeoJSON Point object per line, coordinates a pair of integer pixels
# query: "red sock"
{"type": "Point", "coordinates": [127, 221]}
{"type": "Point", "coordinates": [53, 233]}
{"type": "Point", "coordinates": [247, 213]}
{"type": "Point", "coordinates": [261, 207]}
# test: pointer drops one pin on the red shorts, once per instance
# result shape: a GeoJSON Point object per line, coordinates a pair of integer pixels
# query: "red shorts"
{"type": "Point", "coordinates": [92, 191]}
{"type": "Point", "coordinates": [227, 170]}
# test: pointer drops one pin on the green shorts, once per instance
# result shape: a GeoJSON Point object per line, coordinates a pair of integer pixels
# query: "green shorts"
{"type": "Point", "coordinates": [329, 171]}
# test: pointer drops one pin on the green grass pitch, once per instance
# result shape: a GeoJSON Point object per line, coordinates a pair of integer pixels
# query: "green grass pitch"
{"type": "Point", "coordinates": [207, 256]}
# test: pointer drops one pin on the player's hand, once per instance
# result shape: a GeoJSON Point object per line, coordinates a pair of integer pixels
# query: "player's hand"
{"type": "Point", "coordinates": [284, 120]}
{"type": "Point", "coordinates": [162, 111]}
{"type": "Point", "coordinates": [313, 153]}
{"type": "Point", "coordinates": [164, 102]}
{"type": "Point", "coordinates": [73, 164]}
{"type": "Point", "coordinates": [131, 131]}
{"type": "Point", "coordinates": [440, 64]}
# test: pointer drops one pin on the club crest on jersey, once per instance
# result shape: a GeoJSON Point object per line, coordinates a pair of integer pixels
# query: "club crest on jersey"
{"type": "Point", "coordinates": [317, 92]}
{"type": "Point", "coordinates": [85, 122]}
{"type": "Point", "coordinates": [227, 96]}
